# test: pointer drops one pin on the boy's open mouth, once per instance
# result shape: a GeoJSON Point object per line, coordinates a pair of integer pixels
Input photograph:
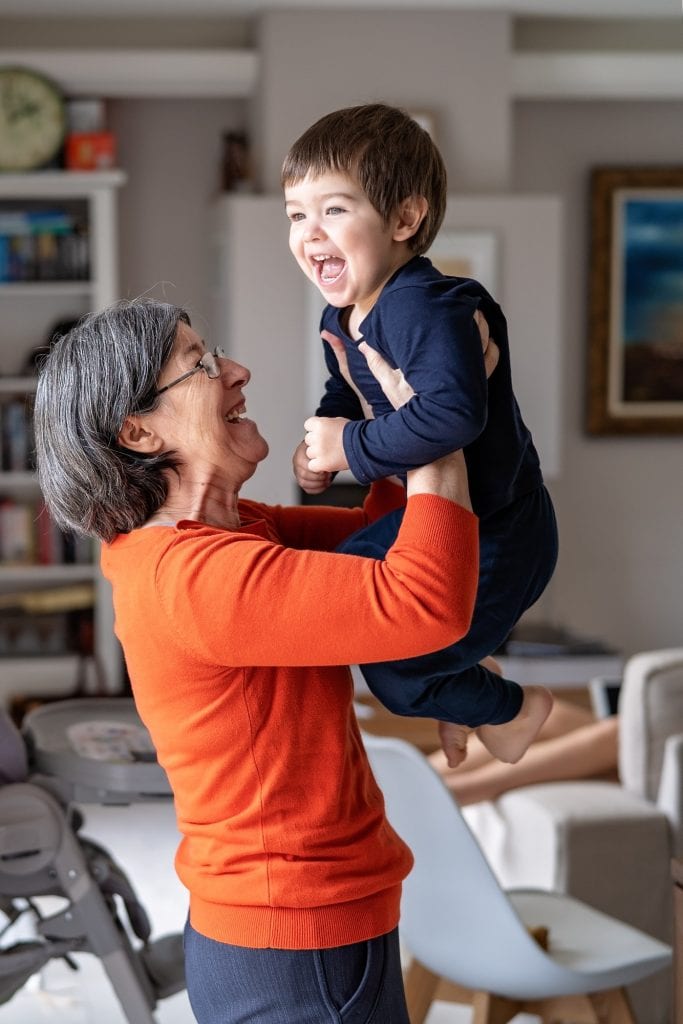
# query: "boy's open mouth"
{"type": "Point", "coordinates": [329, 268]}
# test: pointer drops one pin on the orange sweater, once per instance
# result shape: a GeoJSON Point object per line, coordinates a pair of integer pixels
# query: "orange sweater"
{"type": "Point", "coordinates": [237, 643]}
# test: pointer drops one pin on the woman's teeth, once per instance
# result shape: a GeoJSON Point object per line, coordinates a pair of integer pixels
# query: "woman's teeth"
{"type": "Point", "coordinates": [235, 415]}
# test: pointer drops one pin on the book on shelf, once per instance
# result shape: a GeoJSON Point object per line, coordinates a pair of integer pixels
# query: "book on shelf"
{"type": "Point", "coordinates": [16, 435]}
{"type": "Point", "coordinates": [17, 540]}
{"type": "Point", "coordinates": [29, 536]}
{"type": "Point", "coordinates": [53, 621]}
{"type": "Point", "coordinates": [39, 244]}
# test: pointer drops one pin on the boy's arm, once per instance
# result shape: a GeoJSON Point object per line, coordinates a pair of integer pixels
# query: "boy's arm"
{"type": "Point", "coordinates": [447, 361]}
{"type": "Point", "coordinates": [440, 352]}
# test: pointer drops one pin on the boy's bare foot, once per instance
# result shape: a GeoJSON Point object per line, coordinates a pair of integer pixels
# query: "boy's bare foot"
{"type": "Point", "coordinates": [508, 742]}
{"type": "Point", "coordinates": [453, 739]}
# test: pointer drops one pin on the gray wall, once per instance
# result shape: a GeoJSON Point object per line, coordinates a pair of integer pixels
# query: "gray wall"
{"type": "Point", "coordinates": [456, 65]}
{"type": "Point", "coordinates": [619, 499]}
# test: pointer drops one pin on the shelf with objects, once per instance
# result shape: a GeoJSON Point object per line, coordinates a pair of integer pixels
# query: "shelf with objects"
{"type": "Point", "coordinates": [58, 260]}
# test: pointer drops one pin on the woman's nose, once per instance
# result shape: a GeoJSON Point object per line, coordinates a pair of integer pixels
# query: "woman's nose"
{"type": "Point", "coordinates": [233, 373]}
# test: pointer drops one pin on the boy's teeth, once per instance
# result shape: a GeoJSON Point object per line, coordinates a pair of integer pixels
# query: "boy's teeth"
{"type": "Point", "coordinates": [331, 268]}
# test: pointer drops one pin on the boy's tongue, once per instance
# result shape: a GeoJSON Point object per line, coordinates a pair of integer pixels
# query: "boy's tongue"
{"type": "Point", "coordinates": [331, 268]}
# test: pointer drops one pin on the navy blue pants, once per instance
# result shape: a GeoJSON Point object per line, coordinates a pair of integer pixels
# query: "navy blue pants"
{"type": "Point", "coordinates": [356, 984]}
{"type": "Point", "coordinates": [517, 556]}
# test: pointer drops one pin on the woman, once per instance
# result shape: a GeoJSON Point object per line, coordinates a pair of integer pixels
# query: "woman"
{"type": "Point", "coordinates": [237, 621]}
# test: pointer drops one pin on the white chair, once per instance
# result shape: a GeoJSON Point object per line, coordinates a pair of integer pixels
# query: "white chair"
{"type": "Point", "coordinates": [461, 926]}
{"type": "Point", "coordinates": [607, 843]}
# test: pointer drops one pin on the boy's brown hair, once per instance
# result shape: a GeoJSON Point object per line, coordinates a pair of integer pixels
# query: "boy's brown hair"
{"type": "Point", "coordinates": [388, 153]}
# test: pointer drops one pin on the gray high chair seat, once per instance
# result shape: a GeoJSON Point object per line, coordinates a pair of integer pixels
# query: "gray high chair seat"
{"type": "Point", "coordinates": [43, 854]}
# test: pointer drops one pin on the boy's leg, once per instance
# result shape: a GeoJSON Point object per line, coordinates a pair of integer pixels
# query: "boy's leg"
{"type": "Point", "coordinates": [517, 556]}
{"type": "Point", "coordinates": [423, 687]}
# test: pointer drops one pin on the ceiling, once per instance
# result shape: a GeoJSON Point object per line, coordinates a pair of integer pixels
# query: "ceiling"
{"type": "Point", "coordinates": [173, 8]}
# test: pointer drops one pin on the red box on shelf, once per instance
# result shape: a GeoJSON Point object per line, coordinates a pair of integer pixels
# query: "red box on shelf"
{"type": "Point", "coordinates": [90, 151]}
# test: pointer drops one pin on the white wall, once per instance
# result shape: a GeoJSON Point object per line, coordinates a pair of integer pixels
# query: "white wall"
{"type": "Point", "coordinates": [619, 499]}
{"type": "Point", "coordinates": [170, 150]}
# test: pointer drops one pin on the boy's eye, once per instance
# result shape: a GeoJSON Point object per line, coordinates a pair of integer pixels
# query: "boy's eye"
{"type": "Point", "coordinates": [335, 209]}
{"type": "Point", "coordinates": [296, 216]}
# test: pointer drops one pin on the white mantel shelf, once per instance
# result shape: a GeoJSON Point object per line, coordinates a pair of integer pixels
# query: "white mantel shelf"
{"type": "Point", "coordinates": [597, 76]}
{"type": "Point", "coordinates": [119, 73]}
{"type": "Point", "coordinates": [233, 73]}
{"type": "Point", "coordinates": [46, 183]}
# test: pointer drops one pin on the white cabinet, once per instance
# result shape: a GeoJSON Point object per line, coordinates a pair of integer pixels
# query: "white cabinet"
{"type": "Point", "coordinates": [58, 260]}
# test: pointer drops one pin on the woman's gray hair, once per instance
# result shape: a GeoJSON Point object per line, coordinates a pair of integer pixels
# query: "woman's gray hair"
{"type": "Point", "coordinates": [103, 370]}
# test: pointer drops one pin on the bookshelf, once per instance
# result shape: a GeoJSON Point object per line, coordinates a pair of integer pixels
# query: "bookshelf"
{"type": "Point", "coordinates": [58, 260]}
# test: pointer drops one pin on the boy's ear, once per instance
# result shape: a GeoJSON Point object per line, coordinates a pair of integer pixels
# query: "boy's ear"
{"type": "Point", "coordinates": [138, 436]}
{"type": "Point", "coordinates": [411, 212]}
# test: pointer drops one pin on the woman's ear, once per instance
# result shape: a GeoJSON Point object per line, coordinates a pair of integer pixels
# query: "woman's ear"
{"type": "Point", "coordinates": [411, 212]}
{"type": "Point", "coordinates": [137, 436]}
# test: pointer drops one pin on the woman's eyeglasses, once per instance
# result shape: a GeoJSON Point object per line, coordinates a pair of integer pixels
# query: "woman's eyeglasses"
{"type": "Point", "coordinates": [208, 363]}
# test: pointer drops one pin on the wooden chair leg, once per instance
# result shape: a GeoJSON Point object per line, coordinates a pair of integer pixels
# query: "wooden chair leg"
{"type": "Point", "coordinates": [564, 1009]}
{"type": "Point", "coordinates": [490, 1009]}
{"type": "Point", "coordinates": [420, 985]}
{"type": "Point", "coordinates": [612, 1007]}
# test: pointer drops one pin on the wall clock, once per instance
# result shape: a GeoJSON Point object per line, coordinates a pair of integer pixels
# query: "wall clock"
{"type": "Point", "coordinates": [32, 119]}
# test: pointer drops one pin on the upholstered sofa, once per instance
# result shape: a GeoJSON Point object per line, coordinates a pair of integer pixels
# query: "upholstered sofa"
{"type": "Point", "coordinates": [609, 844]}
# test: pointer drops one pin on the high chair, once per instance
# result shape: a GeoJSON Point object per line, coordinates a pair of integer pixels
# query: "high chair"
{"type": "Point", "coordinates": [43, 855]}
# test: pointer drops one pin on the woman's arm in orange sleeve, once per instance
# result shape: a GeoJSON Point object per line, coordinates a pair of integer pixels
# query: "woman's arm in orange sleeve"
{"type": "Point", "coordinates": [242, 600]}
{"type": "Point", "coordinates": [324, 527]}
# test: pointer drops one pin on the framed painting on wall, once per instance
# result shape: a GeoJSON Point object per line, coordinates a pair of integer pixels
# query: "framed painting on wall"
{"type": "Point", "coordinates": [635, 342]}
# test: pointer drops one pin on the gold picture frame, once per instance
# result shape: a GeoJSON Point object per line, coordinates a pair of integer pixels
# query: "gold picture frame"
{"type": "Point", "coordinates": [635, 335]}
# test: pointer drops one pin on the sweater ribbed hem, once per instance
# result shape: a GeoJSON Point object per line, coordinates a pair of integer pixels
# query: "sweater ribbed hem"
{"type": "Point", "coordinates": [297, 927]}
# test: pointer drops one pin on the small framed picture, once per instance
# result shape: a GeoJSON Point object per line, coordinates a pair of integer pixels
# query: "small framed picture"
{"type": "Point", "coordinates": [467, 254]}
{"type": "Point", "coordinates": [635, 337]}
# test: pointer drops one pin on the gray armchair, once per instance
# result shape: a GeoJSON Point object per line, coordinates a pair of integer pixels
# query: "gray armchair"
{"type": "Point", "coordinates": [608, 843]}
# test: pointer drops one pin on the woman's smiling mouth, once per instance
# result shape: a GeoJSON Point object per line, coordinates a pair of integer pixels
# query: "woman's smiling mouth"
{"type": "Point", "coordinates": [235, 415]}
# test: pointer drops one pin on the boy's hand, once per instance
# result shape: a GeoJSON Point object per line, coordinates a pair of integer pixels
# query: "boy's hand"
{"type": "Point", "coordinates": [308, 481]}
{"type": "Point", "coordinates": [323, 441]}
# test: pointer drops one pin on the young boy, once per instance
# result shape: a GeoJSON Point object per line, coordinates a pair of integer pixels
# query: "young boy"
{"type": "Point", "coordinates": [365, 194]}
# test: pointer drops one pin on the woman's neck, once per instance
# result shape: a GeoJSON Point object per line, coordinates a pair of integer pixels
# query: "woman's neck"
{"type": "Point", "coordinates": [201, 497]}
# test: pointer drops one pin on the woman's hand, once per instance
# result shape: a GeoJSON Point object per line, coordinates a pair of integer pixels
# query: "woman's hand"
{"type": "Point", "coordinates": [337, 346]}
{"type": "Point", "coordinates": [309, 481]}
{"type": "Point", "coordinates": [392, 382]}
{"type": "Point", "coordinates": [394, 385]}
{"type": "Point", "coordinates": [489, 347]}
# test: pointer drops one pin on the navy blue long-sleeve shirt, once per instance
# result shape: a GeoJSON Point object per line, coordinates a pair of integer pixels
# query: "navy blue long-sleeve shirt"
{"type": "Point", "coordinates": [423, 323]}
